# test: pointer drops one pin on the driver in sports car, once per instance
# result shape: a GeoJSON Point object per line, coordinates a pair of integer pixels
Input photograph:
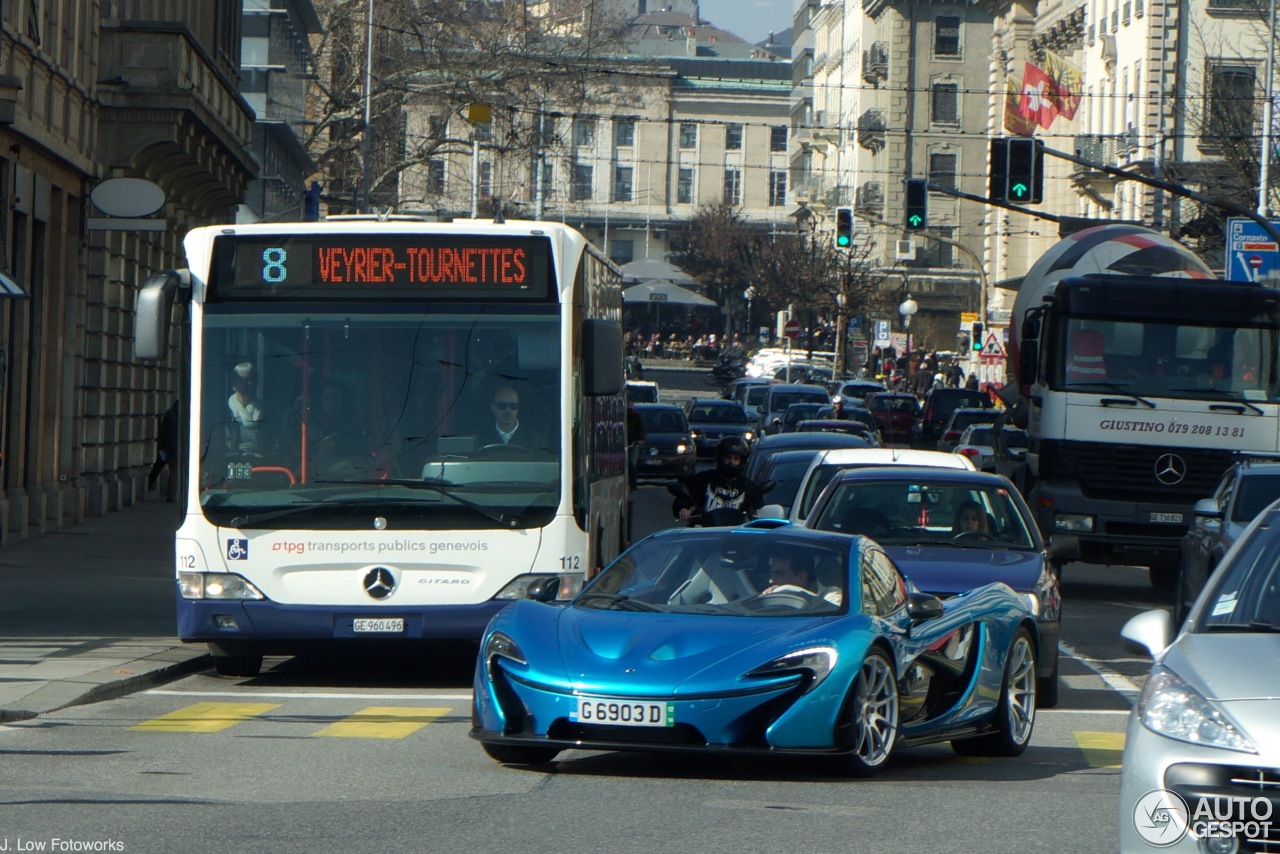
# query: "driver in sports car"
{"type": "Point", "coordinates": [790, 573]}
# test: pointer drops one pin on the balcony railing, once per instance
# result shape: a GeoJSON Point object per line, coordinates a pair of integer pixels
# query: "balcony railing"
{"type": "Point", "coordinates": [870, 198]}
{"type": "Point", "coordinates": [871, 130]}
{"type": "Point", "coordinates": [875, 63]}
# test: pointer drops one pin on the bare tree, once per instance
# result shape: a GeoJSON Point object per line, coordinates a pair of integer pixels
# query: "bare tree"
{"type": "Point", "coordinates": [719, 250]}
{"type": "Point", "coordinates": [512, 55]}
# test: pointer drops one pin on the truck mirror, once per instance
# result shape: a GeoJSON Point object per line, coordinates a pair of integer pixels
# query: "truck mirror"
{"type": "Point", "coordinates": [1030, 328]}
{"type": "Point", "coordinates": [1028, 361]}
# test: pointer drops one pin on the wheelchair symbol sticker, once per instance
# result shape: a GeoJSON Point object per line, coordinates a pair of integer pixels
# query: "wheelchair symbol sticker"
{"type": "Point", "coordinates": [237, 549]}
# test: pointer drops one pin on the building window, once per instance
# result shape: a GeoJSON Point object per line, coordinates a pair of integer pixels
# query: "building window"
{"type": "Point", "coordinates": [435, 177]}
{"type": "Point", "coordinates": [1231, 103]}
{"type": "Point", "coordinates": [733, 137]}
{"type": "Point", "coordinates": [622, 178]}
{"type": "Point", "coordinates": [688, 135]}
{"type": "Point", "coordinates": [546, 129]}
{"type": "Point", "coordinates": [944, 103]}
{"type": "Point", "coordinates": [684, 186]}
{"type": "Point", "coordinates": [622, 251]}
{"type": "Point", "coordinates": [777, 188]}
{"type": "Point", "coordinates": [777, 137]}
{"type": "Point", "coordinates": [946, 35]}
{"type": "Point", "coordinates": [733, 186]}
{"type": "Point", "coordinates": [437, 127]}
{"type": "Point", "coordinates": [624, 132]}
{"type": "Point", "coordinates": [942, 170]}
{"type": "Point", "coordinates": [584, 131]}
{"type": "Point", "coordinates": [935, 253]}
{"type": "Point", "coordinates": [581, 189]}
{"type": "Point", "coordinates": [486, 180]}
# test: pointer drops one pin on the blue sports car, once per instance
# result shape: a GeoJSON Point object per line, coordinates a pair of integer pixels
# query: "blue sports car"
{"type": "Point", "coordinates": [765, 638]}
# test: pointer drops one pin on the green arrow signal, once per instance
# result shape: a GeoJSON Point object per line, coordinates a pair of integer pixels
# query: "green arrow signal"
{"type": "Point", "coordinates": [915, 220]}
{"type": "Point", "coordinates": [1019, 189]}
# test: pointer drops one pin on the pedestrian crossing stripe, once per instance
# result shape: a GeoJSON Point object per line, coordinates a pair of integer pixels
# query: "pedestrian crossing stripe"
{"type": "Point", "coordinates": [206, 717]}
{"type": "Point", "coordinates": [1101, 749]}
{"type": "Point", "coordinates": [382, 722]}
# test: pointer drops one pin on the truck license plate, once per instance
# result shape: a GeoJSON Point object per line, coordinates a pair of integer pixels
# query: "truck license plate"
{"type": "Point", "coordinates": [1175, 518]}
{"type": "Point", "coordinates": [379, 625]}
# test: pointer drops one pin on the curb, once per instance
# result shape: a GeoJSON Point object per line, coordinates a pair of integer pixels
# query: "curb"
{"type": "Point", "coordinates": [108, 683]}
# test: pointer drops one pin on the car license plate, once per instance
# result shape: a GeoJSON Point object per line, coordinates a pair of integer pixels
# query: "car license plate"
{"type": "Point", "coordinates": [618, 712]}
{"type": "Point", "coordinates": [379, 625]}
{"type": "Point", "coordinates": [1167, 517]}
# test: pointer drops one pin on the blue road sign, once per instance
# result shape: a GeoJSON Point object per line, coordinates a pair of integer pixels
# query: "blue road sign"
{"type": "Point", "coordinates": [1252, 254]}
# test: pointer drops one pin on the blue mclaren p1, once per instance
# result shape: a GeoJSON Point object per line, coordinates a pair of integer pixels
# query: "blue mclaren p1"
{"type": "Point", "coordinates": [766, 639]}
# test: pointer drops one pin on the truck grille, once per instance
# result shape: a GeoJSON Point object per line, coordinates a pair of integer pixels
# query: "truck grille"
{"type": "Point", "coordinates": [1128, 472]}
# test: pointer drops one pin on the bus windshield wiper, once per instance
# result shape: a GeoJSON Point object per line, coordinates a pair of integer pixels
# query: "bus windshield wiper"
{"type": "Point", "coordinates": [437, 487]}
{"type": "Point", "coordinates": [1116, 387]}
{"type": "Point", "coordinates": [432, 484]}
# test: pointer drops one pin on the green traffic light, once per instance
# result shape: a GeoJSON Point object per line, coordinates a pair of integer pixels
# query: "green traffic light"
{"type": "Point", "coordinates": [915, 221]}
{"type": "Point", "coordinates": [842, 240]}
{"type": "Point", "coordinates": [1019, 189]}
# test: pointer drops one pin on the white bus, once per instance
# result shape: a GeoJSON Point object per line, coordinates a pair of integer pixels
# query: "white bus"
{"type": "Point", "coordinates": [392, 428]}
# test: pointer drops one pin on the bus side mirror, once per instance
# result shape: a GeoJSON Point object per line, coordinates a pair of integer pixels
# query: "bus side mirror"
{"type": "Point", "coordinates": [154, 309]}
{"type": "Point", "coordinates": [601, 357]}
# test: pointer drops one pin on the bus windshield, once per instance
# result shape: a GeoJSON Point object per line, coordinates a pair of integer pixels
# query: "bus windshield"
{"type": "Point", "coordinates": [439, 416]}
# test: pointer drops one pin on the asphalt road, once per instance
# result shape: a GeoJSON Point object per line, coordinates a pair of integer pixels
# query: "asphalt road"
{"type": "Point", "coordinates": [371, 754]}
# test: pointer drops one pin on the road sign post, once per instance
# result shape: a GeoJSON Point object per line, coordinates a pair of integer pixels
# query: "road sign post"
{"type": "Point", "coordinates": [1252, 254]}
{"type": "Point", "coordinates": [791, 329]}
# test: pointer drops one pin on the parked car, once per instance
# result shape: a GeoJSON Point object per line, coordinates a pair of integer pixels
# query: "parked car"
{"type": "Point", "coordinates": [939, 403]}
{"type": "Point", "coordinates": [668, 449]}
{"type": "Point", "coordinates": [796, 413]}
{"type": "Point", "coordinates": [782, 395]}
{"type": "Point", "coordinates": [992, 447]}
{"type": "Point", "coordinates": [828, 464]}
{"type": "Point", "coordinates": [642, 391]}
{"type": "Point", "coordinates": [711, 420]}
{"type": "Point", "coordinates": [1206, 727]}
{"type": "Point", "coordinates": [895, 413]}
{"type": "Point", "coordinates": [767, 446]}
{"type": "Point", "coordinates": [805, 643]}
{"type": "Point", "coordinates": [959, 421]}
{"type": "Point", "coordinates": [1244, 491]}
{"type": "Point", "coordinates": [918, 515]}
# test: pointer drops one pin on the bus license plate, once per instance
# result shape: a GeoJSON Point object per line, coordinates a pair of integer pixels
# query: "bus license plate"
{"type": "Point", "coordinates": [379, 625]}
{"type": "Point", "coordinates": [1167, 517]}
{"type": "Point", "coordinates": [618, 712]}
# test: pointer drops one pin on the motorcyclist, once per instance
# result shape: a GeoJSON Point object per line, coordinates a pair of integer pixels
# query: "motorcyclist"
{"type": "Point", "coordinates": [725, 486]}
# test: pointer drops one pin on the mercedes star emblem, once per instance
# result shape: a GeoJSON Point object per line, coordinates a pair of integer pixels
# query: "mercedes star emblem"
{"type": "Point", "coordinates": [1170, 469]}
{"type": "Point", "coordinates": [379, 583]}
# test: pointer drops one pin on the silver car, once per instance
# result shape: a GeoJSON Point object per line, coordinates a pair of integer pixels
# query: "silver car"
{"type": "Point", "coordinates": [1201, 767]}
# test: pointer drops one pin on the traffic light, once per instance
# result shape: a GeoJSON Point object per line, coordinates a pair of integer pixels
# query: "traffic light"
{"type": "Point", "coordinates": [996, 183]}
{"type": "Point", "coordinates": [975, 338]}
{"type": "Point", "coordinates": [917, 203]}
{"type": "Point", "coordinates": [844, 228]}
{"type": "Point", "coordinates": [1024, 172]}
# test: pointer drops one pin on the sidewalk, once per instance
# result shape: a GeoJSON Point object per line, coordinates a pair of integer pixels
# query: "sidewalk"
{"type": "Point", "coordinates": [87, 612]}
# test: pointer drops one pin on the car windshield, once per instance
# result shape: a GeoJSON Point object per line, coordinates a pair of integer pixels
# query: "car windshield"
{"type": "Point", "coordinates": [1256, 492]}
{"type": "Point", "coordinates": [718, 415]}
{"type": "Point", "coordinates": [725, 572]}
{"type": "Point", "coordinates": [756, 395]}
{"type": "Point", "coordinates": [1244, 594]}
{"type": "Point", "coordinates": [911, 511]}
{"type": "Point", "coordinates": [798, 412]}
{"type": "Point", "coordinates": [981, 436]}
{"type": "Point", "coordinates": [787, 475]}
{"type": "Point", "coordinates": [1016, 438]}
{"type": "Point", "coordinates": [664, 421]}
{"type": "Point", "coordinates": [892, 404]}
{"type": "Point", "coordinates": [963, 418]}
{"type": "Point", "coordinates": [948, 403]}
{"type": "Point", "coordinates": [782, 400]}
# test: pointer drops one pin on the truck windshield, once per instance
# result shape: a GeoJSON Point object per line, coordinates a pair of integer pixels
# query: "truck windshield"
{"type": "Point", "coordinates": [331, 416]}
{"type": "Point", "coordinates": [1164, 359]}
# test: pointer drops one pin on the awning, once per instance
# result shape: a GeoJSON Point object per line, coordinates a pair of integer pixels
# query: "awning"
{"type": "Point", "coordinates": [10, 288]}
{"type": "Point", "coordinates": [660, 291]}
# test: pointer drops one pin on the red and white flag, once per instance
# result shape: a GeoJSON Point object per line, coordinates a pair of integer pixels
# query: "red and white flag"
{"type": "Point", "coordinates": [1039, 96]}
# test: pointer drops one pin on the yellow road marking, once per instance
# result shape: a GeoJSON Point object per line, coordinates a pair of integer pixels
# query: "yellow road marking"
{"type": "Point", "coordinates": [206, 717]}
{"type": "Point", "coordinates": [1101, 749]}
{"type": "Point", "coordinates": [383, 722]}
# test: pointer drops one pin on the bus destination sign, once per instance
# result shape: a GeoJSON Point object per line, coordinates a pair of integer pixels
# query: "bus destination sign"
{"type": "Point", "coordinates": [358, 266]}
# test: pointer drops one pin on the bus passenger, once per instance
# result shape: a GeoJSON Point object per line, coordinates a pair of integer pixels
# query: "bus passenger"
{"type": "Point", "coordinates": [246, 412]}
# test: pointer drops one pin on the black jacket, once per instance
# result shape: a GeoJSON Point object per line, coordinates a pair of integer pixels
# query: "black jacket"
{"type": "Point", "coordinates": [710, 490]}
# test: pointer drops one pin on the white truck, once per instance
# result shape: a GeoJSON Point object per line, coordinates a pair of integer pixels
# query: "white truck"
{"type": "Point", "coordinates": [1139, 377]}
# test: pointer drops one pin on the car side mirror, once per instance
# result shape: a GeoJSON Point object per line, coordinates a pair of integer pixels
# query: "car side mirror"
{"type": "Point", "coordinates": [923, 606]}
{"type": "Point", "coordinates": [1150, 632]}
{"type": "Point", "coordinates": [1064, 548]}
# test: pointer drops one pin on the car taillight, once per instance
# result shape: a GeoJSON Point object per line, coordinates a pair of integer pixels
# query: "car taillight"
{"type": "Point", "coordinates": [968, 452]}
{"type": "Point", "coordinates": [952, 434]}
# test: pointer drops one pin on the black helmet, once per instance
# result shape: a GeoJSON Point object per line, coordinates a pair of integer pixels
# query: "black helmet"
{"type": "Point", "coordinates": [731, 445]}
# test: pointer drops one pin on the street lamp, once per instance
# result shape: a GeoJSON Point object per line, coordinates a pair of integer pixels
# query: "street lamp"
{"type": "Point", "coordinates": [907, 309]}
{"type": "Point", "coordinates": [749, 294]}
{"type": "Point", "coordinates": [842, 307]}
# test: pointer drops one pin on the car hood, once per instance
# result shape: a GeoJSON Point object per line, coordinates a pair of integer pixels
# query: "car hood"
{"type": "Point", "coordinates": [1227, 667]}
{"type": "Point", "coordinates": [601, 650]}
{"type": "Point", "coordinates": [947, 570]}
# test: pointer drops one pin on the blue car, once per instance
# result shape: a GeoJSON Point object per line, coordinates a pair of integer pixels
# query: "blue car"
{"type": "Point", "coordinates": [762, 639]}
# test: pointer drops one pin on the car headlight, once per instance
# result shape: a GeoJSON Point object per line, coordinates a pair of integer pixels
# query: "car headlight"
{"type": "Point", "coordinates": [1171, 707]}
{"type": "Point", "coordinates": [748, 435]}
{"type": "Point", "coordinates": [216, 585]}
{"type": "Point", "coordinates": [681, 448]}
{"type": "Point", "coordinates": [818, 660]}
{"type": "Point", "coordinates": [502, 646]}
